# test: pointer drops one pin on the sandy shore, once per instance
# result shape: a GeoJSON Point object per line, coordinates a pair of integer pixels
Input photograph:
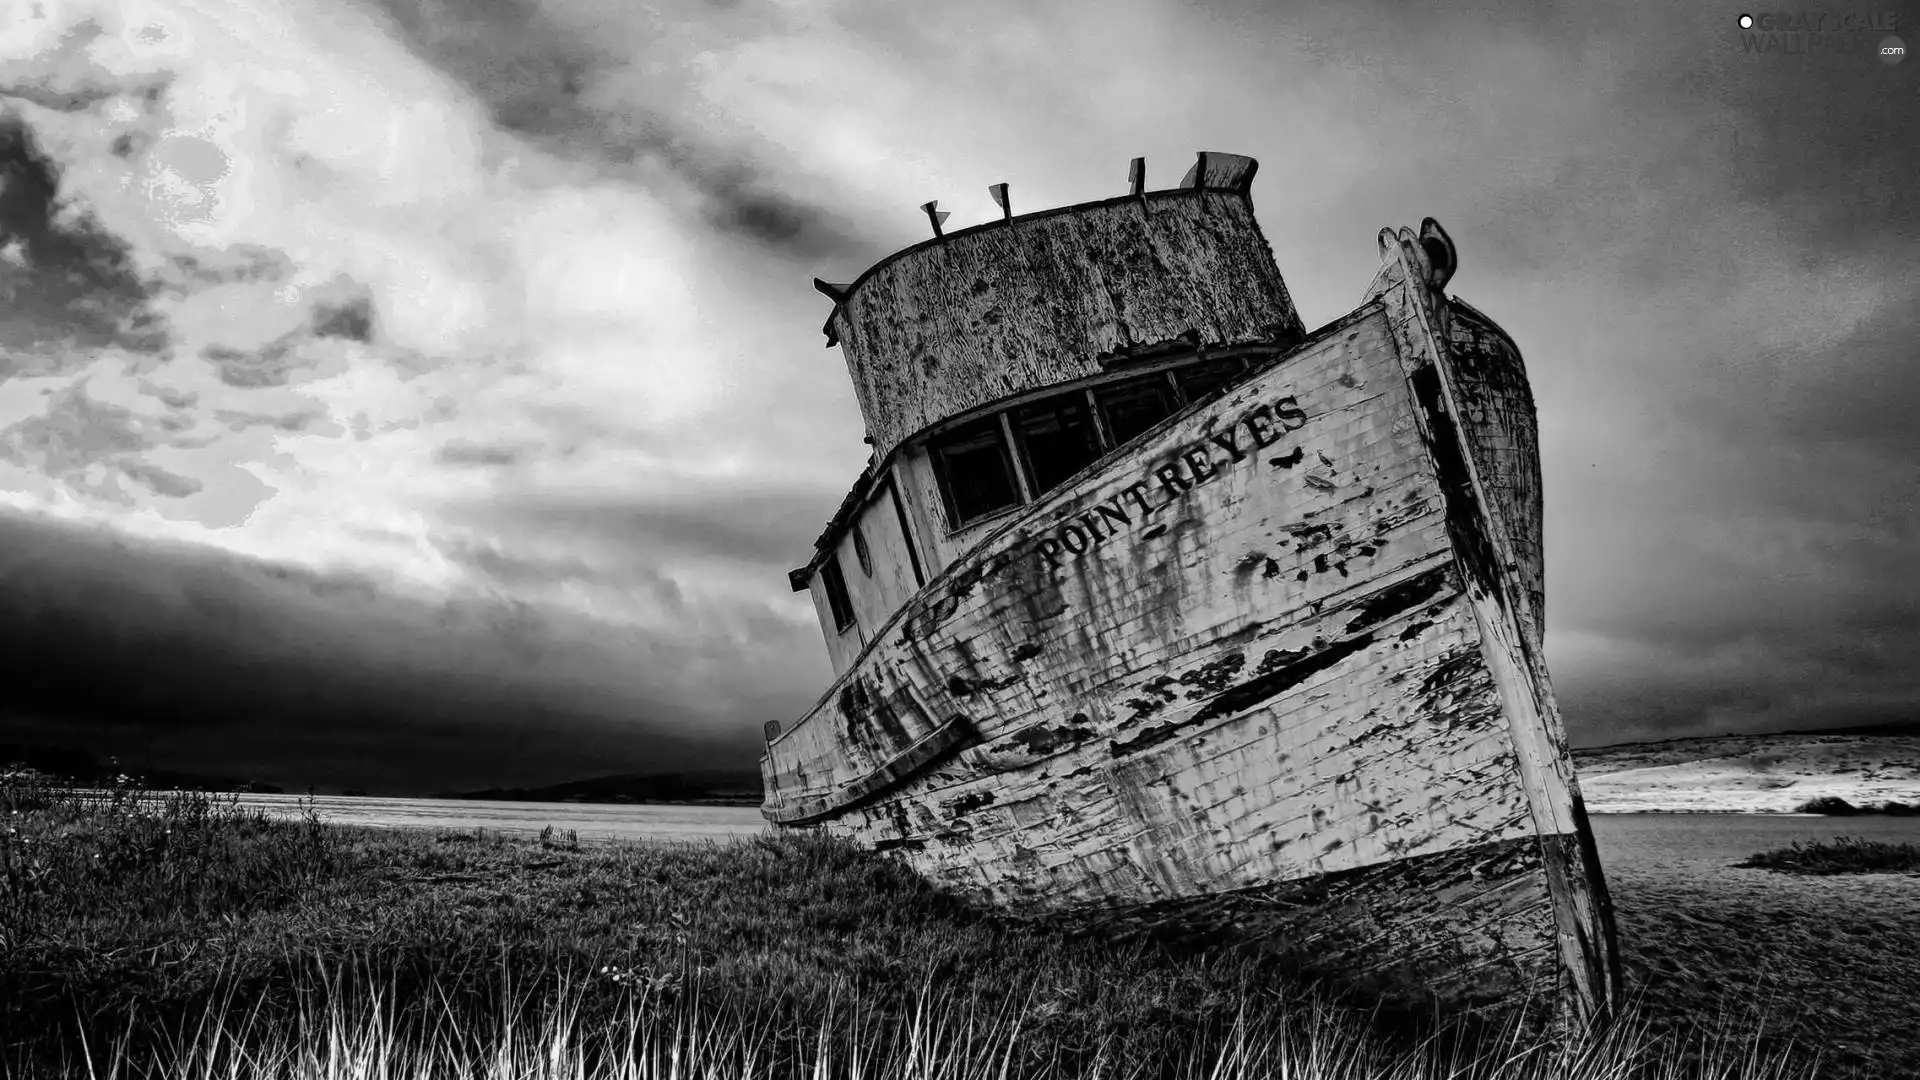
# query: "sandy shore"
{"type": "Point", "coordinates": [1831, 962]}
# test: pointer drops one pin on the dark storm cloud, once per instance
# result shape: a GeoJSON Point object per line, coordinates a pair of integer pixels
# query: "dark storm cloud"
{"type": "Point", "coordinates": [742, 201]}
{"type": "Point", "coordinates": [493, 455]}
{"type": "Point", "coordinates": [756, 524]}
{"type": "Point", "coordinates": [74, 432]}
{"type": "Point", "coordinates": [210, 662]}
{"type": "Point", "coordinates": [92, 445]}
{"type": "Point", "coordinates": [1782, 590]}
{"type": "Point", "coordinates": [1819, 672]}
{"type": "Point", "coordinates": [64, 79]}
{"type": "Point", "coordinates": [237, 262]}
{"type": "Point", "coordinates": [272, 364]}
{"type": "Point", "coordinates": [540, 77]}
{"type": "Point", "coordinates": [1768, 583]}
{"type": "Point", "coordinates": [302, 420]}
{"type": "Point", "coordinates": [1858, 392]}
{"type": "Point", "coordinates": [76, 286]}
{"type": "Point", "coordinates": [1820, 144]}
{"type": "Point", "coordinates": [352, 320]}
{"type": "Point", "coordinates": [62, 99]}
{"type": "Point", "coordinates": [281, 361]}
{"type": "Point", "coordinates": [161, 481]}
{"type": "Point", "coordinates": [510, 568]}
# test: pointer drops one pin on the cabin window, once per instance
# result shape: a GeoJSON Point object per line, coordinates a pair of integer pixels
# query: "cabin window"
{"type": "Point", "coordinates": [975, 471]}
{"type": "Point", "coordinates": [1134, 406]}
{"type": "Point", "coordinates": [860, 551]}
{"type": "Point", "coordinates": [1202, 381]}
{"type": "Point", "coordinates": [837, 599]}
{"type": "Point", "coordinates": [1056, 439]}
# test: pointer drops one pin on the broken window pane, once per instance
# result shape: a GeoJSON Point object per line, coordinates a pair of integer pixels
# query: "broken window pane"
{"type": "Point", "coordinates": [1132, 407]}
{"type": "Point", "coordinates": [1056, 439]}
{"type": "Point", "coordinates": [1201, 381]}
{"type": "Point", "coordinates": [975, 473]}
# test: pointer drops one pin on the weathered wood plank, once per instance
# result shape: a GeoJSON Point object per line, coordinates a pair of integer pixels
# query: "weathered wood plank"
{"type": "Point", "coordinates": [956, 732]}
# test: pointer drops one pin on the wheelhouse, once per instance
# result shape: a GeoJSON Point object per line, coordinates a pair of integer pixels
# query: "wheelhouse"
{"type": "Point", "coordinates": [948, 486]}
{"type": "Point", "coordinates": [996, 363]}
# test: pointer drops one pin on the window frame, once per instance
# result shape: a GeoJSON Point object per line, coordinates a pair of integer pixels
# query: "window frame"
{"type": "Point", "coordinates": [943, 477]}
{"type": "Point", "coordinates": [833, 581]}
{"type": "Point", "coordinates": [1087, 408]}
{"type": "Point", "coordinates": [1012, 445]}
{"type": "Point", "coordinates": [1238, 371]}
{"type": "Point", "coordinates": [1169, 389]}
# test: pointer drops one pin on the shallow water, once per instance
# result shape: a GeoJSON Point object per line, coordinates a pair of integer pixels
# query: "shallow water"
{"type": "Point", "coordinates": [1695, 842]}
{"type": "Point", "coordinates": [1644, 841]}
{"type": "Point", "coordinates": [593, 821]}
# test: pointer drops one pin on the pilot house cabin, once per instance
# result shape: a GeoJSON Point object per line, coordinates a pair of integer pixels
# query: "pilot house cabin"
{"type": "Point", "coordinates": [951, 484]}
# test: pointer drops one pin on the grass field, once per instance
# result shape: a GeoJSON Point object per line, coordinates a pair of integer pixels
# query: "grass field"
{"type": "Point", "coordinates": [145, 934]}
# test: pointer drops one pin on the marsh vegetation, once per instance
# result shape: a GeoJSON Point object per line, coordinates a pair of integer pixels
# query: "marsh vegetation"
{"type": "Point", "coordinates": [1836, 806]}
{"type": "Point", "coordinates": [1842, 855]}
{"type": "Point", "coordinates": [149, 934]}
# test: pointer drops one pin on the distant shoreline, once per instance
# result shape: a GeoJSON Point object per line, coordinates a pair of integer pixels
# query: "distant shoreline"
{"type": "Point", "coordinates": [577, 800]}
{"type": "Point", "coordinates": [753, 802]}
{"type": "Point", "coordinates": [742, 802]}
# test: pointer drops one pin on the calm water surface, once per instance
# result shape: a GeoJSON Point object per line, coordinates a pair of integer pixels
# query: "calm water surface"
{"type": "Point", "coordinates": [1696, 841]}
{"type": "Point", "coordinates": [1647, 841]}
{"type": "Point", "coordinates": [593, 821]}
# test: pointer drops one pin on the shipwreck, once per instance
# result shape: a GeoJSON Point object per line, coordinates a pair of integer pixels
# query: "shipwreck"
{"type": "Point", "coordinates": [1155, 607]}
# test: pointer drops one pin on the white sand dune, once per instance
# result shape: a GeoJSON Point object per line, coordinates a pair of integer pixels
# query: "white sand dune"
{"type": "Point", "coordinates": [1749, 773]}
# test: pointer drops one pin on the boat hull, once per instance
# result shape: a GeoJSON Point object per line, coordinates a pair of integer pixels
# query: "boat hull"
{"type": "Point", "coordinates": [1272, 675]}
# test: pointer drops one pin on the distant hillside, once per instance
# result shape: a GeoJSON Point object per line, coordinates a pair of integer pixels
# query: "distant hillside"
{"type": "Point", "coordinates": [1752, 773]}
{"type": "Point", "coordinates": [66, 765]}
{"type": "Point", "coordinates": [712, 788]}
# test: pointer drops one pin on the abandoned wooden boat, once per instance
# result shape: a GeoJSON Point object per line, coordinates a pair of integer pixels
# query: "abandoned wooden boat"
{"type": "Point", "coordinates": [1154, 607]}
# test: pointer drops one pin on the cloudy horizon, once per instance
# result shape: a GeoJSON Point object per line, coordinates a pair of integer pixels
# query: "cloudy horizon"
{"type": "Point", "coordinates": [418, 395]}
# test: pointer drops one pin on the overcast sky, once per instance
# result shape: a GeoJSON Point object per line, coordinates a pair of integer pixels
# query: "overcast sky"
{"type": "Point", "coordinates": [431, 394]}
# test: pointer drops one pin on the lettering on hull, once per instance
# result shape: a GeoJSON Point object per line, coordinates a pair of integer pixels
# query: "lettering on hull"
{"type": "Point", "coordinates": [1191, 466]}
